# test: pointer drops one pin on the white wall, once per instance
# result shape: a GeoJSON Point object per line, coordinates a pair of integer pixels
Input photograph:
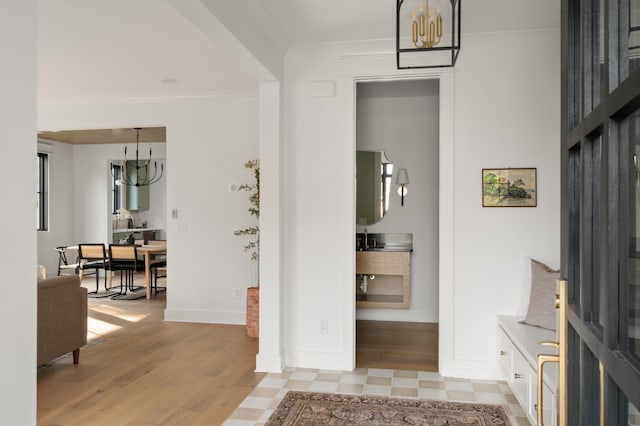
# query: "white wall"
{"type": "Point", "coordinates": [18, 174]}
{"type": "Point", "coordinates": [61, 207]}
{"type": "Point", "coordinates": [319, 213]}
{"type": "Point", "coordinates": [507, 115]}
{"type": "Point", "coordinates": [402, 118]}
{"type": "Point", "coordinates": [208, 142]}
{"type": "Point", "coordinates": [270, 356]}
{"type": "Point", "coordinates": [506, 102]}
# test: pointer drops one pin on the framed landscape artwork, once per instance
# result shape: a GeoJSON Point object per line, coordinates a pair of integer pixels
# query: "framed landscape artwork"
{"type": "Point", "coordinates": [509, 187]}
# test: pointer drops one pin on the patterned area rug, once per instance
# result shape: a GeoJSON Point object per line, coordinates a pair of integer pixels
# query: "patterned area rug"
{"type": "Point", "coordinates": [308, 408]}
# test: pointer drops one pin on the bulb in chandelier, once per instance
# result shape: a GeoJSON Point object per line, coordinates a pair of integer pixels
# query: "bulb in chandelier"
{"type": "Point", "coordinates": [432, 30]}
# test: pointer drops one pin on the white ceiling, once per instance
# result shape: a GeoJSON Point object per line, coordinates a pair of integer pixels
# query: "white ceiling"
{"type": "Point", "coordinates": [97, 49]}
{"type": "Point", "coordinates": [313, 21]}
{"type": "Point", "coordinates": [124, 49]}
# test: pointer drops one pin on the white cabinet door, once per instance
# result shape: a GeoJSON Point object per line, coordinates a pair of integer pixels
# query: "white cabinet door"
{"type": "Point", "coordinates": [549, 416]}
{"type": "Point", "coordinates": [521, 379]}
{"type": "Point", "coordinates": [505, 353]}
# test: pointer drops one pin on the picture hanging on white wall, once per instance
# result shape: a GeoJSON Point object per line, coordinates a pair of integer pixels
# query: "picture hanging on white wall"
{"type": "Point", "coordinates": [509, 187]}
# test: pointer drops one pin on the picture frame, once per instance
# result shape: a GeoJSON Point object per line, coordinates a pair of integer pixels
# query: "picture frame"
{"type": "Point", "coordinates": [509, 187]}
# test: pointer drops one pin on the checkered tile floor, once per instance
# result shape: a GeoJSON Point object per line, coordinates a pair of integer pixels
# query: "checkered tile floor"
{"type": "Point", "coordinates": [262, 401]}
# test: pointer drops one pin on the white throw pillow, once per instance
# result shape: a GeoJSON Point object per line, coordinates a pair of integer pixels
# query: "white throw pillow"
{"type": "Point", "coordinates": [541, 311]}
{"type": "Point", "coordinates": [526, 288]}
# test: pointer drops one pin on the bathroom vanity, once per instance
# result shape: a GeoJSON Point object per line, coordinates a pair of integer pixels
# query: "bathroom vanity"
{"type": "Point", "coordinates": [383, 270]}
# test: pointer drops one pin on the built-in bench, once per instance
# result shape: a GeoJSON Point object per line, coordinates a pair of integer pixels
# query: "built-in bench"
{"type": "Point", "coordinates": [518, 346]}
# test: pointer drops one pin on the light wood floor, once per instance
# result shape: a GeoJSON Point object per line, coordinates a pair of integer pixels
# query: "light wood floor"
{"type": "Point", "coordinates": [143, 371]}
{"type": "Point", "coordinates": [397, 345]}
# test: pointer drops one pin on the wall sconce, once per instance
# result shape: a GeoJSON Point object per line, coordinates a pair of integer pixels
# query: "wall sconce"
{"type": "Point", "coordinates": [402, 179]}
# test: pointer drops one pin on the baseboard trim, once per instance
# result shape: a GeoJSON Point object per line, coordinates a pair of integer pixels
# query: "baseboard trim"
{"type": "Point", "coordinates": [269, 363]}
{"type": "Point", "coordinates": [318, 360]}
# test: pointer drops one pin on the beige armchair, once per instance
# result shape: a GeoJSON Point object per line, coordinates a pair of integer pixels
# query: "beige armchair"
{"type": "Point", "coordinates": [62, 317]}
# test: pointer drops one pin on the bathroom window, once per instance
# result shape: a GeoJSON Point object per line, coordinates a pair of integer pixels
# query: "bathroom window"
{"type": "Point", "coordinates": [42, 207]}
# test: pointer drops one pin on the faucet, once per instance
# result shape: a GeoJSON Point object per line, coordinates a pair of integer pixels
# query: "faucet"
{"type": "Point", "coordinates": [366, 240]}
{"type": "Point", "coordinates": [363, 283]}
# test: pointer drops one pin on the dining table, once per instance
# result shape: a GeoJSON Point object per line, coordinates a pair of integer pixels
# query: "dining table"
{"type": "Point", "coordinates": [150, 253]}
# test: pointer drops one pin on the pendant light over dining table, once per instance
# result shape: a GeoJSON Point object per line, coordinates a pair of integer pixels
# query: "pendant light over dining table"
{"type": "Point", "coordinates": [137, 172]}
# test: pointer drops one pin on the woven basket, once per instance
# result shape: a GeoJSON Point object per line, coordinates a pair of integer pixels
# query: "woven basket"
{"type": "Point", "coordinates": [253, 311]}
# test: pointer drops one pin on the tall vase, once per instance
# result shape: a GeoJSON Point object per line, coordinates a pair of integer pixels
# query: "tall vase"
{"type": "Point", "coordinates": [253, 311]}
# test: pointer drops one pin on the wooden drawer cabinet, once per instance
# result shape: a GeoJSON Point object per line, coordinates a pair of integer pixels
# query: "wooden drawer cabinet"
{"type": "Point", "coordinates": [382, 279]}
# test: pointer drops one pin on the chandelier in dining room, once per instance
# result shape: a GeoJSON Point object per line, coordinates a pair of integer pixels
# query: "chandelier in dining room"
{"type": "Point", "coordinates": [137, 172]}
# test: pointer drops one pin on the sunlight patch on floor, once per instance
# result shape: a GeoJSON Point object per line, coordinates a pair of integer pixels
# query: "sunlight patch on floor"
{"type": "Point", "coordinates": [96, 327]}
{"type": "Point", "coordinates": [119, 313]}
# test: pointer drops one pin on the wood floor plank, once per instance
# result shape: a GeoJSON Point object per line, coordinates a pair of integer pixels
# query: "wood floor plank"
{"type": "Point", "coordinates": [397, 345]}
{"type": "Point", "coordinates": [147, 371]}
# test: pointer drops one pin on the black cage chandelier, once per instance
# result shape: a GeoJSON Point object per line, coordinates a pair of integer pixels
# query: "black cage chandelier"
{"type": "Point", "coordinates": [137, 172]}
{"type": "Point", "coordinates": [427, 35]}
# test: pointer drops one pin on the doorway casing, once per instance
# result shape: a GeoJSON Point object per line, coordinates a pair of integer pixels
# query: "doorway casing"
{"type": "Point", "coordinates": [445, 214]}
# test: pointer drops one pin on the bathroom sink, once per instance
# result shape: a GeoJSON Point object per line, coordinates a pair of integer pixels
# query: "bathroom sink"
{"type": "Point", "coordinates": [384, 242]}
{"type": "Point", "coordinates": [387, 248]}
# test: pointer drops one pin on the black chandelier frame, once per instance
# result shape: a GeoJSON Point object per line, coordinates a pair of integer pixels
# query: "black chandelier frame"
{"type": "Point", "coordinates": [454, 47]}
{"type": "Point", "coordinates": [142, 175]}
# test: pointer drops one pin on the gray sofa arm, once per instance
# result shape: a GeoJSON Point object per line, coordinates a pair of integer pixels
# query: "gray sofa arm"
{"type": "Point", "coordinates": [62, 317]}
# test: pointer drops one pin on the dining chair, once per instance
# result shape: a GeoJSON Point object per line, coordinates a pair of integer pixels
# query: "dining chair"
{"type": "Point", "coordinates": [159, 272]}
{"type": "Point", "coordinates": [124, 258]}
{"type": "Point", "coordinates": [94, 257]}
{"type": "Point", "coordinates": [64, 254]}
{"type": "Point", "coordinates": [158, 265]}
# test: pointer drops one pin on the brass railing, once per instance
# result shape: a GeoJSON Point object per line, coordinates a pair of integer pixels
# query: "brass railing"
{"type": "Point", "coordinates": [560, 358]}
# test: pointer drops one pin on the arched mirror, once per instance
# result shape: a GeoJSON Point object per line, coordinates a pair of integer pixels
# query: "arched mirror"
{"type": "Point", "coordinates": [373, 186]}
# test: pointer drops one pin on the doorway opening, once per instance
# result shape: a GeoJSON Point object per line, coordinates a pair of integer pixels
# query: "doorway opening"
{"type": "Point", "coordinates": [397, 224]}
{"type": "Point", "coordinates": [81, 163]}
